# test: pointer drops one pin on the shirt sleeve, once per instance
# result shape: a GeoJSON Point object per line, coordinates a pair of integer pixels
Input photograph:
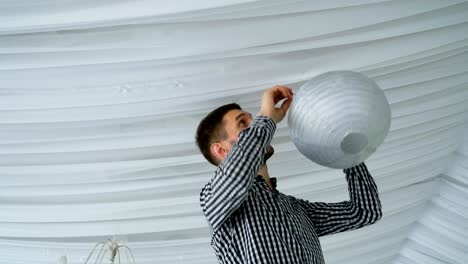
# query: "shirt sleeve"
{"type": "Point", "coordinates": [234, 178]}
{"type": "Point", "coordinates": [362, 209]}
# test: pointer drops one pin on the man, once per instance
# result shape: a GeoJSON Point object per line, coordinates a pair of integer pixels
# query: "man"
{"type": "Point", "coordinates": [251, 221]}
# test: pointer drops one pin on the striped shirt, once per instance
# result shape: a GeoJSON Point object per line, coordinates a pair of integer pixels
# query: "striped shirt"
{"type": "Point", "coordinates": [250, 223]}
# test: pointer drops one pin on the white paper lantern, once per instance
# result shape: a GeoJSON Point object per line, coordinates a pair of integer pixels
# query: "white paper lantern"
{"type": "Point", "coordinates": [338, 119]}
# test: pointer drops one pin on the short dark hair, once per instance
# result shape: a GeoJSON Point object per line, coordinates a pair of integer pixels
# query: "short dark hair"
{"type": "Point", "coordinates": [211, 130]}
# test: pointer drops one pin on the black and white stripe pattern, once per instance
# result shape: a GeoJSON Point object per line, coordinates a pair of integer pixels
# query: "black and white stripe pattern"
{"type": "Point", "coordinates": [252, 224]}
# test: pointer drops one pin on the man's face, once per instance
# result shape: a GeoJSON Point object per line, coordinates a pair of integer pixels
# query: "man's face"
{"type": "Point", "coordinates": [234, 122]}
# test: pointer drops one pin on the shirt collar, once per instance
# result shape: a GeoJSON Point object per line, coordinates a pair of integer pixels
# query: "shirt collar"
{"type": "Point", "coordinates": [272, 180]}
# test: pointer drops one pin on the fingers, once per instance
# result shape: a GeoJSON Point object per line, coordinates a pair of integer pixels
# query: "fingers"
{"type": "Point", "coordinates": [281, 92]}
{"type": "Point", "coordinates": [286, 104]}
{"type": "Point", "coordinates": [284, 92]}
{"type": "Point", "coordinates": [285, 88]}
{"type": "Point", "coordinates": [271, 98]}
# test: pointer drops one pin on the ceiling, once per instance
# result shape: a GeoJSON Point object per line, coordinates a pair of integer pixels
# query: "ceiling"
{"type": "Point", "coordinates": [99, 101]}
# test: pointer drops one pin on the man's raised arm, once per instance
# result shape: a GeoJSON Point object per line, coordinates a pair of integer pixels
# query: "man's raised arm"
{"type": "Point", "coordinates": [234, 178]}
{"type": "Point", "coordinates": [362, 209]}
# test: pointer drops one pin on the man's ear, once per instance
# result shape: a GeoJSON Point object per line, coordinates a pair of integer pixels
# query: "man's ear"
{"type": "Point", "coordinates": [219, 151]}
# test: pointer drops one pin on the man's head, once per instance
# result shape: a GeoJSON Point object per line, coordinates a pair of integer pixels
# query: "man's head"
{"type": "Point", "coordinates": [219, 131]}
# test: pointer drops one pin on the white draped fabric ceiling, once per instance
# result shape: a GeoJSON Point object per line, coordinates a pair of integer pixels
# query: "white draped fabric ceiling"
{"type": "Point", "coordinates": [99, 101]}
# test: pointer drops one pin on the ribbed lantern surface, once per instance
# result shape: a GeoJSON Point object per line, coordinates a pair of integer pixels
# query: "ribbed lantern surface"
{"type": "Point", "coordinates": [338, 119]}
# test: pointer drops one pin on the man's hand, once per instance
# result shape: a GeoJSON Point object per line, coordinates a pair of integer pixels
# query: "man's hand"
{"type": "Point", "coordinates": [271, 97]}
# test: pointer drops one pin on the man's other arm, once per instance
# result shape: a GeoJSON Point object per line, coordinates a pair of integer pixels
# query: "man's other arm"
{"type": "Point", "coordinates": [362, 209]}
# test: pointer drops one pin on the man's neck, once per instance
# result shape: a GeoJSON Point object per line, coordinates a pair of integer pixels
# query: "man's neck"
{"type": "Point", "coordinates": [263, 171]}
